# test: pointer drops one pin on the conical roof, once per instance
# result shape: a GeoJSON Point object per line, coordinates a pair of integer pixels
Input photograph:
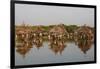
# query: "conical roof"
{"type": "Point", "coordinates": [84, 29]}
{"type": "Point", "coordinates": [59, 29]}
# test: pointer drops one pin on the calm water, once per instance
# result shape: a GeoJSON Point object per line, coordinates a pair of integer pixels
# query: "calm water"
{"type": "Point", "coordinates": [44, 53]}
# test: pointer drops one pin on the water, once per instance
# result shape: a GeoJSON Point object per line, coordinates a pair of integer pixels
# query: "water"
{"type": "Point", "coordinates": [45, 53]}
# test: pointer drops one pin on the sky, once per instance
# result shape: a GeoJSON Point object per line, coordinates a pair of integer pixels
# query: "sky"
{"type": "Point", "coordinates": [53, 15]}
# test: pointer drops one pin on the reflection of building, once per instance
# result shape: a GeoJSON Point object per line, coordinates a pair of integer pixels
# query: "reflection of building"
{"type": "Point", "coordinates": [84, 45]}
{"type": "Point", "coordinates": [23, 48]}
{"type": "Point", "coordinates": [57, 46]}
{"type": "Point", "coordinates": [38, 42]}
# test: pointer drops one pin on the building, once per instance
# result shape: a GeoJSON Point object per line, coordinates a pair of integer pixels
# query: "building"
{"type": "Point", "coordinates": [84, 32]}
{"type": "Point", "coordinates": [57, 32]}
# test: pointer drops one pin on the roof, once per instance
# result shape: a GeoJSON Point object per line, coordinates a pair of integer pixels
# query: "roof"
{"type": "Point", "coordinates": [84, 29]}
{"type": "Point", "coordinates": [60, 29]}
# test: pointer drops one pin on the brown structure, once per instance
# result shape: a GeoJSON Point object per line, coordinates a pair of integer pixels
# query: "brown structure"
{"type": "Point", "coordinates": [84, 45]}
{"type": "Point", "coordinates": [23, 32]}
{"type": "Point", "coordinates": [84, 32]}
{"type": "Point", "coordinates": [58, 32]}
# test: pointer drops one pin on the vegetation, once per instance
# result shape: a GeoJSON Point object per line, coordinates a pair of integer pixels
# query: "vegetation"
{"type": "Point", "coordinates": [69, 28]}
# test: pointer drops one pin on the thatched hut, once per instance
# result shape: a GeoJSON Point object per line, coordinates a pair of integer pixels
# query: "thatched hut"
{"type": "Point", "coordinates": [58, 31]}
{"type": "Point", "coordinates": [84, 32]}
{"type": "Point", "coordinates": [23, 32]}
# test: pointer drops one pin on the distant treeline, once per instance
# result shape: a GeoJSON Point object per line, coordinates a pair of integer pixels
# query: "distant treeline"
{"type": "Point", "coordinates": [69, 28]}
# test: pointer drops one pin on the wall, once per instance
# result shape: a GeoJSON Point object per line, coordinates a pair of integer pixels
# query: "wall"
{"type": "Point", "coordinates": [5, 34]}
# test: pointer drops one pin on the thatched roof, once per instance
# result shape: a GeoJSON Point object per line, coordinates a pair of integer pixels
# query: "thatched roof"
{"type": "Point", "coordinates": [38, 29]}
{"type": "Point", "coordinates": [23, 30]}
{"type": "Point", "coordinates": [59, 29]}
{"type": "Point", "coordinates": [84, 29]}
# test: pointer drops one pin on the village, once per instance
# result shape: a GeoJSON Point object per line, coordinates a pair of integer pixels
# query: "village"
{"type": "Point", "coordinates": [57, 35]}
{"type": "Point", "coordinates": [54, 32]}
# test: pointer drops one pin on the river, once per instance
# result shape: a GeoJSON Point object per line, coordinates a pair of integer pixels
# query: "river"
{"type": "Point", "coordinates": [46, 54]}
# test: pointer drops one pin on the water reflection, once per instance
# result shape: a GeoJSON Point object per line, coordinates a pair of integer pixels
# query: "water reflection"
{"type": "Point", "coordinates": [23, 47]}
{"type": "Point", "coordinates": [84, 45]}
{"type": "Point", "coordinates": [55, 45]}
{"type": "Point", "coordinates": [38, 42]}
